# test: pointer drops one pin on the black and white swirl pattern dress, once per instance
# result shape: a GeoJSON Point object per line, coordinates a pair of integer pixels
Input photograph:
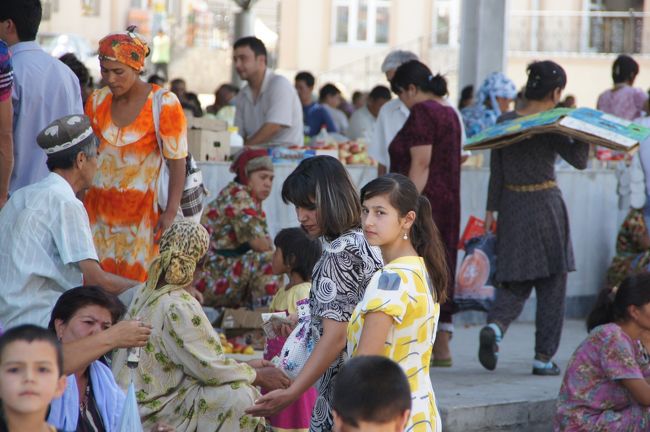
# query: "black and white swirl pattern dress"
{"type": "Point", "coordinates": [339, 280]}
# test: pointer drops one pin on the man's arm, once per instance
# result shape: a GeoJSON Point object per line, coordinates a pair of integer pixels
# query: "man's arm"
{"type": "Point", "coordinates": [6, 149]}
{"type": "Point", "coordinates": [94, 275]}
{"type": "Point", "coordinates": [264, 134]}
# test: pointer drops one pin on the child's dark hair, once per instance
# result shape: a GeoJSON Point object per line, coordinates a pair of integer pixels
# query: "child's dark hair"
{"type": "Point", "coordinates": [543, 78]}
{"type": "Point", "coordinates": [322, 183]}
{"type": "Point", "coordinates": [30, 333]}
{"type": "Point", "coordinates": [612, 303]}
{"type": "Point", "coordinates": [371, 389]}
{"type": "Point", "coordinates": [76, 298]}
{"type": "Point", "coordinates": [424, 235]}
{"type": "Point", "coordinates": [300, 252]}
{"type": "Point", "coordinates": [416, 73]}
{"type": "Point", "coordinates": [624, 69]}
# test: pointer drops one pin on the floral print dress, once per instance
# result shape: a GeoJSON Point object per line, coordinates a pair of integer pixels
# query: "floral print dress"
{"type": "Point", "coordinates": [402, 290]}
{"type": "Point", "coordinates": [235, 275]}
{"type": "Point", "coordinates": [592, 399]}
{"type": "Point", "coordinates": [122, 202]}
{"type": "Point", "coordinates": [183, 378]}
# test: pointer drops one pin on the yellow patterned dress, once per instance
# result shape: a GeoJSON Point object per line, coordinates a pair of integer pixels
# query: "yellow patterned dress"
{"type": "Point", "coordinates": [402, 290]}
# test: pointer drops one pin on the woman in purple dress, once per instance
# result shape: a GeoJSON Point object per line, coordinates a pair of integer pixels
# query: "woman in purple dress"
{"type": "Point", "coordinates": [427, 150]}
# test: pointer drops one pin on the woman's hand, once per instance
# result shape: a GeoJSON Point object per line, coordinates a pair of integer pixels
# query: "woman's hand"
{"type": "Point", "coordinates": [259, 363]}
{"type": "Point", "coordinates": [272, 403]}
{"type": "Point", "coordinates": [271, 378]}
{"type": "Point", "coordinates": [129, 334]}
{"type": "Point", "coordinates": [165, 220]}
{"type": "Point", "coordinates": [284, 327]}
{"type": "Point", "coordinates": [489, 221]}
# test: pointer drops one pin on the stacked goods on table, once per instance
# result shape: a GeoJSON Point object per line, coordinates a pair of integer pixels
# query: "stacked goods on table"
{"type": "Point", "coordinates": [235, 346]}
{"type": "Point", "coordinates": [208, 139]}
{"type": "Point", "coordinates": [582, 124]}
{"type": "Point", "coordinates": [243, 328]}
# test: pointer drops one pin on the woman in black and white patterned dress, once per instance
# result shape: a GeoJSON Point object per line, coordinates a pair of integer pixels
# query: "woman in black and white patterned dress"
{"type": "Point", "coordinates": [327, 205]}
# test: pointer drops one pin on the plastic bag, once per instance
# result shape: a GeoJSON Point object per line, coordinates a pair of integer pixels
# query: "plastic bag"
{"type": "Point", "coordinates": [474, 282]}
{"type": "Point", "coordinates": [300, 343]}
{"type": "Point", "coordinates": [130, 421]}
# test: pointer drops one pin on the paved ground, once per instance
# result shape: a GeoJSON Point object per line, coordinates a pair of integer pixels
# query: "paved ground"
{"type": "Point", "coordinates": [508, 399]}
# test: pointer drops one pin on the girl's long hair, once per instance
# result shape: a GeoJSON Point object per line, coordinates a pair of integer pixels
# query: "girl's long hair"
{"type": "Point", "coordinates": [612, 303]}
{"type": "Point", "coordinates": [424, 235]}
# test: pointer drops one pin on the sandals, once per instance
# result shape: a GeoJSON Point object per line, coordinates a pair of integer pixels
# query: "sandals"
{"type": "Point", "coordinates": [488, 351]}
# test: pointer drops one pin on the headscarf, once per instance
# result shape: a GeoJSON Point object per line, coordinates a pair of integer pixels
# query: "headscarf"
{"type": "Point", "coordinates": [248, 161]}
{"type": "Point", "coordinates": [479, 116]}
{"type": "Point", "coordinates": [181, 247]}
{"type": "Point", "coordinates": [126, 47]}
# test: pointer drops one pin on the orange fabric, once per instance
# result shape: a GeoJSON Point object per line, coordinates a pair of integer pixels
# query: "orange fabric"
{"type": "Point", "coordinates": [126, 48]}
{"type": "Point", "coordinates": [122, 203]}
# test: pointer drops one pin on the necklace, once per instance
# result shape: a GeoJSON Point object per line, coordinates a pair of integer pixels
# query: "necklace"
{"type": "Point", "coordinates": [83, 405]}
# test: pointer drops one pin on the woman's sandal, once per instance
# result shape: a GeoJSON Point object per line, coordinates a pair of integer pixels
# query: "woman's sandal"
{"type": "Point", "coordinates": [441, 362]}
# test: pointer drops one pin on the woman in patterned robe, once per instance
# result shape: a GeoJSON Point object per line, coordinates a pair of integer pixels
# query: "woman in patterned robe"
{"type": "Point", "coordinates": [183, 378]}
{"type": "Point", "coordinates": [327, 205]}
{"type": "Point", "coordinates": [238, 270]}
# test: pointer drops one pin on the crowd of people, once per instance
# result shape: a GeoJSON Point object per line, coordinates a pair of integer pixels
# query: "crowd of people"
{"type": "Point", "coordinates": [97, 262]}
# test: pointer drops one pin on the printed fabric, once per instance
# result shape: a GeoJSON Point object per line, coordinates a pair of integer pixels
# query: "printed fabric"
{"type": "Point", "coordinates": [235, 275]}
{"type": "Point", "coordinates": [592, 398]}
{"type": "Point", "coordinates": [632, 255]}
{"type": "Point", "coordinates": [402, 290]}
{"type": "Point", "coordinates": [122, 203]}
{"type": "Point", "coordinates": [6, 72]}
{"type": "Point", "coordinates": [339, 280]}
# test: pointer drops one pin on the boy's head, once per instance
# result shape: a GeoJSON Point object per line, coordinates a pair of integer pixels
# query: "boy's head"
{"type": "Point", "coordinates": [295, 253]}
{"type": "Point", "coordinates": [19, 20]}
{"type": "Point", "coordinates": [31, 370]}
{"type": "Point", "coordinates": [371, 394]}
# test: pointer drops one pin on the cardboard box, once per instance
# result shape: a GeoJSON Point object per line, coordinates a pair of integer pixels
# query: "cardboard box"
{"type": "Point", "coordinates": [241, 319]}
{"type": "Point", "coordinates": [207, 123]}
{"type": "Point", "coordinates": [209, 145]}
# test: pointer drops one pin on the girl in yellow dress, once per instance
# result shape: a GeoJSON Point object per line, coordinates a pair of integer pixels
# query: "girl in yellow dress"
{"type": "Point", "coordinates": [399, 312]}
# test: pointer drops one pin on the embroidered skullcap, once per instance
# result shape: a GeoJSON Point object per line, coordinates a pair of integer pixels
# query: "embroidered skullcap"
{"type": "Point", "coordinates": [249, 161]}
{"type": "Point", "coordinates": [65, 133]}
{"type": "Point", "coordinates": [181, 247]}
{"type": "Point", "coordinates": [126, 47]}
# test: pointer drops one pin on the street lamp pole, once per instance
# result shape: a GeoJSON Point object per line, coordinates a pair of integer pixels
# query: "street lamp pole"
{"type": "Point", "coordinates": [243, 27]}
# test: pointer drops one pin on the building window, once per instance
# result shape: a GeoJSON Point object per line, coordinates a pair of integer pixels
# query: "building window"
{"type": "Point", "coordinates": [361, 21]}
{"type": "Point", "coordinates": [446, 16]}
{"type": "Point", "coordinates": [90, 7]}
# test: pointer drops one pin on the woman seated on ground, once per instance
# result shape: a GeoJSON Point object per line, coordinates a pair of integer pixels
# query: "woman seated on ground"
{"type": "Point", "coordinates": [183, 377]}
{"type": "Point", "coordinates": [605, 387]}
{"type": "Point", "coordinates": [92, 400]}
{"type": "Point", "coordinates": [238, 271]}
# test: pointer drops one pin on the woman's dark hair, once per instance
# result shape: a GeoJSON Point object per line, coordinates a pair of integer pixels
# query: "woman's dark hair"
{"type": "Point", "coordinates": [425, 237]}
{"type": "Point", "coordinates": [418, 74]}
{"type": "Point", "coordinates": [79, 69]}
{"type": "Point", "coordinates": [466, 94]}
{"type": "Point", "coordinates": [612, 303]}
{"type": "Point", "coordinates": [300, 252]}
{"type": "Point", "coordinates": [76, 298]}
{"type": "Point", "coordinates": [31, 333]}
{"type": "Point", "coordinates": [543, 78]}
{"type": "Point", "coordinates": [624, 69]}
{"type": "Point", "coordinates": [321, 183]}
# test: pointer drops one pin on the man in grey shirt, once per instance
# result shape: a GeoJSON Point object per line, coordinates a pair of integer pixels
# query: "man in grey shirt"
{"type": "Point", "coordinates": [269, 112]}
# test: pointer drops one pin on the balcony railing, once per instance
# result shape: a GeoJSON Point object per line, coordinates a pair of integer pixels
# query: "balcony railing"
{"type": "Point", "coordinates": [579, 32]}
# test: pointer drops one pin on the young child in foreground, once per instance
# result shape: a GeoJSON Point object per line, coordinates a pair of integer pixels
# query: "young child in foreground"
{"type": "Point", "coordinates": [295, 255]}
{"type": "Point", "coordinates": [372, 394]}
{"type": "Point", "coordinates": [31, 375]}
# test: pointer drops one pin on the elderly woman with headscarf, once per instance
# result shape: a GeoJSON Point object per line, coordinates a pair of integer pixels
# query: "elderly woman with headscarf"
{"type": "Point", "coordinates": [122, 203]}
{"type": "Point", "coordinates": [493, 98]}
{"type": "Point", "coordinates": [183, 378]}
{"type": "Point", "coordinates": [238, 270]}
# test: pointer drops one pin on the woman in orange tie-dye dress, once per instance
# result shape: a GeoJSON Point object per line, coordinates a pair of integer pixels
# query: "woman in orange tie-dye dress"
{"type": "Point", "coordinates": [122, 203]}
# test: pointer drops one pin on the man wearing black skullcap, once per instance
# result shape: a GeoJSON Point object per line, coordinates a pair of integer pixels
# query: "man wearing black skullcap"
{"type": "Point", "coordinates": [47, 246]}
